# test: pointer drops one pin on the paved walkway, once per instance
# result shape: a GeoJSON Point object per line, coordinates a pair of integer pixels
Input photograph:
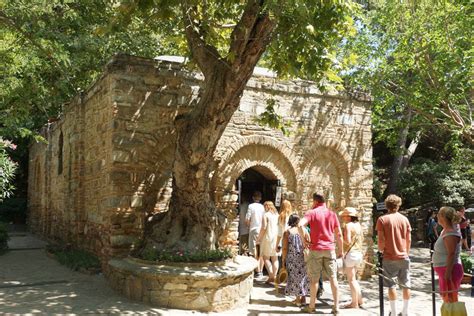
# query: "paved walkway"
{"type": "Point", "coordinates": [31, 282]}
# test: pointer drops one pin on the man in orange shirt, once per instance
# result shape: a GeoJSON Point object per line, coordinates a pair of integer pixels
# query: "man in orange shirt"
{"type": "Point", "coordinates": [394, 240]}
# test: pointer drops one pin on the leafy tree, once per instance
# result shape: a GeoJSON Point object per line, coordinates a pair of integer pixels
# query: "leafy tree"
{"type": "Point", "coordinates": [225, 40]}
{"type": "Point", "coordinates": [415, 58]}
{"type": "Point", "coordinates": [50, 50]}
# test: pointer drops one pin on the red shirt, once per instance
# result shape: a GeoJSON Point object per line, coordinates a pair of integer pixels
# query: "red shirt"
{"type": "Point", "coordinates": [323, 223]}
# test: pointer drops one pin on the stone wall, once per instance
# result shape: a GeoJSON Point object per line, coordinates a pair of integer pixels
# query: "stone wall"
{"type": "Point", "coordinates": [118, 142]}
{"type": "Point", "coordinates": [207, 287]}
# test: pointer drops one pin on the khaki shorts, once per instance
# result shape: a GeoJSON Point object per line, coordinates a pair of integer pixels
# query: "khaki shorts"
{"type": "Point", "coordinates": [321, 261]}
{"type": "Point", "coordinates": [399, 269]}
{"type": "Point", "coordinates": [253, 247]}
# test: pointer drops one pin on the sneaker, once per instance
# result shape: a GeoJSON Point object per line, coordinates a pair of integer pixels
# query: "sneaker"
{"type": "Point", "coordinates": [258, 275]}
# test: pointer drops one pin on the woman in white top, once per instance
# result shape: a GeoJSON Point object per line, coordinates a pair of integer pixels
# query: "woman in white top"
{"type": "Point", "coordinates": [446, 255]}
{"type": "Point", "coordinates": [352, 242]}
{"type": "Point", "coordinates": [285, 212]}
{"type": "Point", "coordinates": [267, 239]}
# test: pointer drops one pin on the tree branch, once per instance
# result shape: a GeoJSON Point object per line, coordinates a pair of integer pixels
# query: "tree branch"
{"type": "Point", "coordinates": [241, 33]}
{"type": "Point", "coordinates": [9, 22]}
{"type": "Point", "coordinates": [204, 54]}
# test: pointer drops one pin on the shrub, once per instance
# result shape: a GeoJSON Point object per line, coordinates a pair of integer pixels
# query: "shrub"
{"type": "Point", "coordinates": [467, 262]}
{"type": "Point", "coordinates": [3, 237]}
{"type": "Point", "coordinates": [7, 169]}
{"type": "Point", "coordinates": [442, 183]}
{"type": "Point", "coordinates": [75, 259]}
{"type": "Point", "coordinates": [151, 254]}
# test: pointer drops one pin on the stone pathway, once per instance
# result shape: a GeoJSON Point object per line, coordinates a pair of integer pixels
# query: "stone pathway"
{"type": "Point", "coordinates": [31, 282]}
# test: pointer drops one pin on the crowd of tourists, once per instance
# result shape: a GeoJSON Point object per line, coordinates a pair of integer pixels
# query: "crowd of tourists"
{"type": "Point", "coordinates": [317, 245]}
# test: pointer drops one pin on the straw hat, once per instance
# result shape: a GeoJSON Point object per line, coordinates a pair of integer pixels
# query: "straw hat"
{"type": "Point", "coordinates": [349, 211]}
{"type": "Point", "coordinates": [282, 276]}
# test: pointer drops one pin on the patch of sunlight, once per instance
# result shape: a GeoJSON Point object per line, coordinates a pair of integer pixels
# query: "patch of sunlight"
{"type": "Point", "coordinates": [12, 282]}
{"type": "Point", "coordinates": [56, 297]}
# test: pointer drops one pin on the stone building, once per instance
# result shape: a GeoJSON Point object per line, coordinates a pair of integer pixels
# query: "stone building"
{"type": "Point", "coordinates": [107, 165]}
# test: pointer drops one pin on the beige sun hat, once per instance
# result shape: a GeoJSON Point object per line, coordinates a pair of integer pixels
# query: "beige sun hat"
{"type": "Point", "coordinates": [349, 211]}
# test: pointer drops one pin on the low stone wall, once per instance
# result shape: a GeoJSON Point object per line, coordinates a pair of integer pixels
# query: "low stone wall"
{"type": "Point", "coordinates": [205, 287]}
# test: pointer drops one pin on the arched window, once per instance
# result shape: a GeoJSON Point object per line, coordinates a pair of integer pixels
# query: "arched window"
{"type": "Point", "coordinates": [60, 153]}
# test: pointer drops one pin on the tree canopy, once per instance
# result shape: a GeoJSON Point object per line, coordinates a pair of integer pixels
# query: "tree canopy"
{"type": "Point", "coordinates": [416, 57]}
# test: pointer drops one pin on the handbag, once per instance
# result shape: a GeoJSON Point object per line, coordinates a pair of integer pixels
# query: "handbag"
{"type": "Point", "coordinates": [453, 309]}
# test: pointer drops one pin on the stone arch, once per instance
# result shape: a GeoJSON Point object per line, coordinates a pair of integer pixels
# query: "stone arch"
{"type": "Point", "coordinates": [325, 166]}
{"type": "Point", "coordinates": [265, 154]}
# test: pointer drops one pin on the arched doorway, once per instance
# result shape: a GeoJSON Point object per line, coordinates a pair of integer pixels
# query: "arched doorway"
{"type": "Point", "coordinates": [261, 179]}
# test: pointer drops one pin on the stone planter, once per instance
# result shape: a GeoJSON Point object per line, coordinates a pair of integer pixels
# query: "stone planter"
{"type": "Point", "coordinates": [215, 286]}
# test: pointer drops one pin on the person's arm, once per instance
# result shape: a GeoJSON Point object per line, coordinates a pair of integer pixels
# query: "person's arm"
{"type": "Point", "coordinates": [450, 242]}
{"type": "Point", "coordinates": [248, 216]}
{"type": "Point", "coordinates": [284, 249]}
{"type": "Point", "coordinates": [279, 235]}
{"type": "Point", "coordinates": [263, 229]}
{"type": "Point", "coordinates": [303, 222]}
{"type": "Point", "coordinates": [408, 240]}
{"type": "Point", "coordinates": [435, 229]}
{"type": "Point", "coordinates": [339, 241]}
{"type": "Point", "coordinates": [380, 237]}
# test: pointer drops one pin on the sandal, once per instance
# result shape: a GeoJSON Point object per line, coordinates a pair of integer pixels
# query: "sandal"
{"type": "Point", "coordinates": [309, 310]}
{"type": "Point", "coordinates": [348, 306]}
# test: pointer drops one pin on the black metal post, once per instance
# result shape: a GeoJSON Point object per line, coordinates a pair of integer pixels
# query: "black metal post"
{"type": "Point", "coordinates": [433, 286]}
{"type": "Point", "coordinates": [380, 272]}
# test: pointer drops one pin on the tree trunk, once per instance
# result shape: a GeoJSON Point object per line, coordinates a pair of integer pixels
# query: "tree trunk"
{"type": "Point", "coordinates": [403, 154]}
{"type": "Point", "coordinates": [193, 222]}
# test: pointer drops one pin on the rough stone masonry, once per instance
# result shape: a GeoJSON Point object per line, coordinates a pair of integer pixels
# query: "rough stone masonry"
{"type": "Point", "coordinates": [107, 165]}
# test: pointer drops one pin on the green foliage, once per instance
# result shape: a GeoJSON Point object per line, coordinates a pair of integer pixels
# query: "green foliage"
{"type": "Point", "coordinates": [272, 119]}
{"type": "Point", "coordinates": [416, 55]}
{"type": "Point", "coordinates": [3, 237]}
{"type": "Point", "coordinates": [7, 170]}
{"type": "Point", "coordinates": [442, 183]}
{"type": "Point", "coordinates": [75, 259]}
{"type": "Point", "coordinates": [50, 50]}
{"type": "Point", "coordinates": [467, 262]}
{"type": "Point", "coordinates": [186, 256]}
{"type": "Point", "coordinates": [378, 184]}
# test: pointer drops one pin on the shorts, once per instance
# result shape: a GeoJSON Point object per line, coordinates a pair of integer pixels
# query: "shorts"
{"type": "Point", "coordinates": [321, 261]}
{"type": "Point", "coordinates": [396, 268]}
{"type": "Point", "coordinates": [463, 233]}
{"type": "Point", "coordinates": [243, 244]}
{"type": "Point", "coordinates": [353, 259]}
{"type": "Point", "coordinates": [456, 277]}
{"type": "Point", "coordinates": [253, 247]}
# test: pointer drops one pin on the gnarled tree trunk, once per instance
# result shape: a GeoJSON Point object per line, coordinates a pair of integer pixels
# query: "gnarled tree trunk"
{"type": "Point", "coordinates": [193, 222]}
{"type": "Point", "coordinates": [403, 155]}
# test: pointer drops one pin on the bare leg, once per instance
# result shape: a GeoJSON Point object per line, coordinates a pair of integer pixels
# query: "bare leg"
{"type": "Point", "coordinates": [355, 288]}
{"type": "Point", "coordinates": [275, 265]}
{"type": "Point", "coordinates": [313, 290]}
{"type": "Point", "coordinates": [268, 265]}
{"type": "Point", "coordinates": [335, 291]}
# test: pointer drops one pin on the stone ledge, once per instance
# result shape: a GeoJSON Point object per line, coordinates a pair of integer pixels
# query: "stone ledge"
{"type": "Point", "coordinates": [207, 287]}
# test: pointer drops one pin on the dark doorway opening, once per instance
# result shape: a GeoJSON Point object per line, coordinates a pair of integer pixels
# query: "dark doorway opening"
{"type": "Point", "coordinates": [252, 180]}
